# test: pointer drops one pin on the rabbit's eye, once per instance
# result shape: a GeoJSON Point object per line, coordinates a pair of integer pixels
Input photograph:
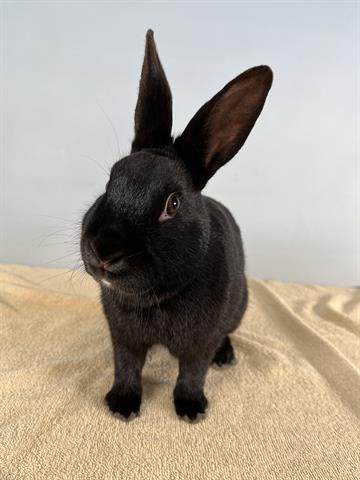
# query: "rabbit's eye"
{"type": "Point", "coordinates": [171, 206]}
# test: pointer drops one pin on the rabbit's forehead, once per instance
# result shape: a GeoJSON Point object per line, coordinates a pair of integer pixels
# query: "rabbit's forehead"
{"type": "Point", "coordinates": [143, 163]}
{"type": "Point", "coordinates": [139, 181]}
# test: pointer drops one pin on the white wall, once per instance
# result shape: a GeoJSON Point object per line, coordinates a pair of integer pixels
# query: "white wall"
{"type": "Point", "coordinates": [67, 68]}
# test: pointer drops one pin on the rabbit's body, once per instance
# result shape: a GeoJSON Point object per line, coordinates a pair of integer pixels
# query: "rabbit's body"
{"type": "Point", "coordinates": [179, 318]}
{"type": "Point", "coordinates": [169, 260]}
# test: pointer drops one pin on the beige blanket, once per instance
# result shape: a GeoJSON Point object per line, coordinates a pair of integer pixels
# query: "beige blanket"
{"type": "Point", "coordinates": [289, 408]}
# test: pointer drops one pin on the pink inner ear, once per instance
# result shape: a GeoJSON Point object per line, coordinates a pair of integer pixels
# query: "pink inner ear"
{"type": "Point", "coordinates": [232, 118]}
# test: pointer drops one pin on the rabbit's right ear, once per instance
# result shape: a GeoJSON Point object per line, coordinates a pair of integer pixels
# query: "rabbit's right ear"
{"type": "Point", "coordinates": [221, 126]}
{"type": "Point", "coordinates": [153, 113]}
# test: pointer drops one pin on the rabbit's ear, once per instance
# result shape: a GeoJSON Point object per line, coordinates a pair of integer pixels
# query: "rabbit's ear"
{"type": "Point", "coordinates": [219, 129]}
{"type": "Point", "coordinates": [153, 113]}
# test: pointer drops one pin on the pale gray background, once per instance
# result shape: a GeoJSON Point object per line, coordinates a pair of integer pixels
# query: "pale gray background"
{"type": "Point", "coordinates": [70, 70]}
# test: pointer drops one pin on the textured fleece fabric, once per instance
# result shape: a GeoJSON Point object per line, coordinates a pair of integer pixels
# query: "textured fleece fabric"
{"type": "Point", "coordinates": [288, 409]}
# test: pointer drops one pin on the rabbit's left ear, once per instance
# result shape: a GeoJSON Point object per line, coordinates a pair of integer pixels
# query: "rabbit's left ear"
{"type": "Point", "coordinates": [153, 113]}
{"type": "Point", "coordinates": [221, 126]}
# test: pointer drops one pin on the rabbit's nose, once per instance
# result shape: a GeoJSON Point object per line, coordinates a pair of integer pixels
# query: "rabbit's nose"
{"type": "Point", "coordinates": [105, 254]}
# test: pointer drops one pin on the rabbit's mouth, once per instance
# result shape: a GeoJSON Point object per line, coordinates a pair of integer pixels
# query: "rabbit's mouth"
{"type": "Point", "coordinates": [120, 281]}
{"type": "Point", "coordinates": [122, 290]}
{"type": "Point", "coordinates": [101, 273]}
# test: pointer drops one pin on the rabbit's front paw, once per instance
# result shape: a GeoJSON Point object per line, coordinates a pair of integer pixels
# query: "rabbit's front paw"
{"type": "Point", "coordinates": [190, 407]}
{"type": "Point", "coordinates": [123, 403]}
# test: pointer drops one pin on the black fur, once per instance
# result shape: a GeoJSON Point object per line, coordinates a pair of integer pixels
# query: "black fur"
{"type": "Point", "coordinates": [225, 353]}
{"type": "Point", "coordinates": [178, 282]}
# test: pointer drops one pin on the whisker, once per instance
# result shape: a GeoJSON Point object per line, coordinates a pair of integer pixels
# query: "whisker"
{"type": "Point", "coordinates": [135, 254]}
{"type": "Point", "coordinates": [156, 297]}
{"type": "Point", "coordinates": [57, 218]}
{"type": "Point", "coordinates": [104, 169]}
{"type": "Point", "coordinates": [60, 231]}
{"type": "Point", "coordinates": [113, 128]}
{"type": "Point", "coordinates": [71, 254]}
{"type": "Point", "coordinates": [67, 272]}
{"type": "Point", "coordinates": [64, 242]}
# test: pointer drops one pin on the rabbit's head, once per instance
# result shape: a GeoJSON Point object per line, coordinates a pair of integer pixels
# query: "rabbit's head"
{"type": "Point", "coordinates": [151, 228]}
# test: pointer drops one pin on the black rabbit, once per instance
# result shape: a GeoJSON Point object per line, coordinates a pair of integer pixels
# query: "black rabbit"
{"type": "Point", "coordinates": [169, 260]}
